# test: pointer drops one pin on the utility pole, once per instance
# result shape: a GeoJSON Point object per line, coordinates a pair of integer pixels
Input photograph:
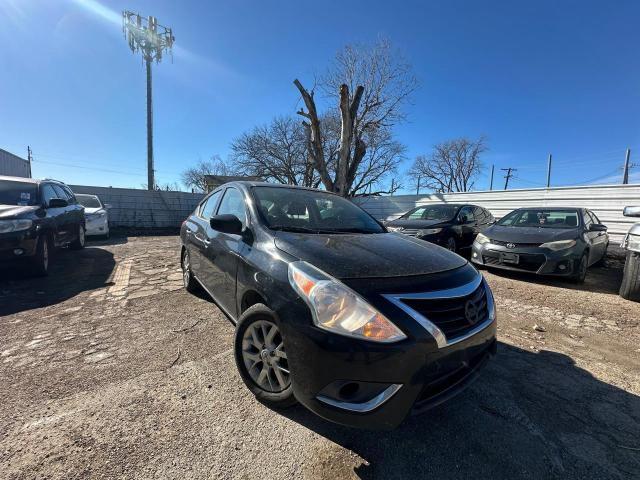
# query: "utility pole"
{"type": "Point", "coordinates": [625, 175]}
{"type": "Point", "coordinates": [418, 186]}
{"type": "Point", "coordinates": [393, 185]}
{"type": "Point", "coordinates": [491, 184]}
{"type": "Point", "coordinates": [508, 175]}
{"type": "Point", "coordinates": [549, 171]}
{"type": "Point", "coordinates": [29, 159]}
{"type": "Point", "coordinates": [152, 40]}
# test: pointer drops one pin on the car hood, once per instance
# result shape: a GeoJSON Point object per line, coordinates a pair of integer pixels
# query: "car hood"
{"type": "Point", "coordinates": [530, 234]}
{"type": "Point", "coordinates": [89, 211]}
{"type": "Point", "coordinates": [368, 255]}
{"type": "Point", "coordinates": [12, 211]}
{"type": "Point", "coordinates": [406, 223]}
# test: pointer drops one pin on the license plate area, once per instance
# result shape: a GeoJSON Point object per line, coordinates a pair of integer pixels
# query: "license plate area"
{"type": "Point", "coordinates": [512, 258]}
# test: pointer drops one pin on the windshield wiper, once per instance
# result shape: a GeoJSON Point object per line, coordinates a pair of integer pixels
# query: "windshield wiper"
{"type": "Point", "coordinates": [354, 230]}
{"type": "Point", "coordinates": [283, 228]}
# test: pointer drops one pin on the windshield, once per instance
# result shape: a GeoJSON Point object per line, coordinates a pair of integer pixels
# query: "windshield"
{"type": "Point", "coordinates": [431, 212]}
{"type": "Point", "coordinates": [310, 211]}
{"type": "Point", "coordinates": [88, 201]}
{"type": "Point", "coordinates": [541, 218]}
{"type": "Point", "coordinates": [18, 193]}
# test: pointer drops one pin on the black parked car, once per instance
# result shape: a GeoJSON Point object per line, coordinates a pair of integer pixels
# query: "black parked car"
{"type": "Point", "coordinates": [448, 225]}
{"type": "Point", "coordinates": [359, 325]}
{"type": "Point", "coordinates": [35, 217]}
{"type": "Point", "coordinates": [547, 241]}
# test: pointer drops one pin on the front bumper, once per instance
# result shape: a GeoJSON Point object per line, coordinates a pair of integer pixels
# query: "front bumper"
{"type": "Point", "coordinates": [17, 245]}
{"type": "Point", "coordinates": [541, 261]}
{"type": "Point", "coordinates": [97, 225]}
{"type": "Point", "coordinates": [410, 376]}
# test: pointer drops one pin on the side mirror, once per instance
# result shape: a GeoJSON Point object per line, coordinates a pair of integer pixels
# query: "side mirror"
{"type": "Point", "coordinates": [226, 224]}
{"type": "Point", "coordinates": [107, 206]}
{"type": "Point", "coordinates": [597, 227]}
{"type": "Point", "coordinates": [631, 212]}
{"type": "Point", "coordinates": [57, 203]}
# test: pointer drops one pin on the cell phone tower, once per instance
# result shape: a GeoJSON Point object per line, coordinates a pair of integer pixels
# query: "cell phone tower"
{"type": "Point", "coordinates": [147, 36]}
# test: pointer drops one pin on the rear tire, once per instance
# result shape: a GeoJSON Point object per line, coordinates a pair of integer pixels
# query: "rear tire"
{"type": "Point", "coordinates": [630, 287]}
{"type": "Point", "coordinates": [40, 261]}
{"type": "Point", "coordinates": [263, 366]}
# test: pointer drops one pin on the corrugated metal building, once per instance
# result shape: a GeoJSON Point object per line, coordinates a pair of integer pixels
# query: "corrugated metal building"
{"type": "Point", "coordinates": [13, 166]}
{"type": "Point", "coordinates": [607, 201]}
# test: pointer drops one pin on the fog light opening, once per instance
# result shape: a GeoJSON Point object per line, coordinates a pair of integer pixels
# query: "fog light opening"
{"type": "Point", "coordinates": [348, 390]}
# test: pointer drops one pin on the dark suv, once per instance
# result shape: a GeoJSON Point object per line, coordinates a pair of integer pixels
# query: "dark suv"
{"type": "Point", "coordinates": [35, 217]}
{"type": "Point", "coordinates": [360, 325]}
{"type": "Point", "coordinates": [446, 224]}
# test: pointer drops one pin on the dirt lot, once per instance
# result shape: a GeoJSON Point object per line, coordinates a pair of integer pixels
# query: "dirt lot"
{"type": "Point", "coordinates": [110, 370]}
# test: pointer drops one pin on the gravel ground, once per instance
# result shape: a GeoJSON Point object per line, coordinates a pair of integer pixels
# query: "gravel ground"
{"type": "Point", "coordinates": [110, 369]}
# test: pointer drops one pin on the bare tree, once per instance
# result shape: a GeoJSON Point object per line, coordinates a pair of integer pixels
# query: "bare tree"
{"type": "Point", "coordinates": [452, 166]}
{"type": "Point", "coordinates": [277, 151]}
{"type": "Point", "coordinates": [371, 85]}
{"type": "Point", "coordinates": [194, 177]}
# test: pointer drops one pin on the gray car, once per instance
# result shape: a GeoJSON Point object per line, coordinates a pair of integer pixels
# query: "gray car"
{"type": "Point", "coordinates": [546, 241]}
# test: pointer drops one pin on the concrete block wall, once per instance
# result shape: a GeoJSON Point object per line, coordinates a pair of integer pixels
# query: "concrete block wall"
{"type": "Point", "coordinates": [133, 208]}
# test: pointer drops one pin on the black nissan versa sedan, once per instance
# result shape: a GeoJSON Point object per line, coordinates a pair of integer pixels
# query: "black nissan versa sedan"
{"type": "Point", "coordinates": [37, 216]}
{"type": "Point", "coordinates": [546, 241]}
{"type": "Point", "coordinates": [360, 325]}
{"type": "Point", "coordinates": [449, 225]}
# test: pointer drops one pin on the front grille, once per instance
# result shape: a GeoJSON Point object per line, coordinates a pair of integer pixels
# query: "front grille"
{"type": "Point", "coordinates": [515, 245]}
{"type": "Point", "coordinates": [528, 262]}
{"type": "Point", "coordinates": [454, 316]}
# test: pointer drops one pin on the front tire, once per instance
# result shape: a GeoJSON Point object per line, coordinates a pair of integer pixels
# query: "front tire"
{"type": "Point", "coordinates": [451, 245]}
{"type": "Point", "coordinates": [189, 281]}
{"type": "Point", "coordinates": [630, 287]}
{"type": "Point", "coordinates": [261, 357]}
{"type": "Point", "coordinates": [40, 261]}
{"type": "Point", "coordinates": [78, 243]}
{"type": "Point", "coordinates": [581, 274]}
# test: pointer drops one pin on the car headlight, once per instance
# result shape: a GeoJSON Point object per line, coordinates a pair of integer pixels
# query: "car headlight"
{"type": "Point", "coordinates": [394, 229]}
{"type": "Point", "coordinates": [7, 226]}
{"type": "Point", "coordinates": [559, 245]}
{"type": "Point", "coordinates": [337, 308]}
{"type": "Point", "coordinates": [428, 231]}
{"type": "Point", "coordinates": [631, 242]}
{"type": "Point", "coordinates": [481, 239]}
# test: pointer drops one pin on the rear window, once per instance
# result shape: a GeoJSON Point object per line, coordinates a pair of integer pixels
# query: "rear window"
{"type": "Point", "coordinates": [88, 201]}
{"type": "Point", "coordinates": [541, 218]}
{"type": "Point", "coordinates": [18, 193]}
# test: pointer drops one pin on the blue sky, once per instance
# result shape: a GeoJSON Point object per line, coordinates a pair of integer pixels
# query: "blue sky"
{"type": "Point", "coordinates": [541, 77]}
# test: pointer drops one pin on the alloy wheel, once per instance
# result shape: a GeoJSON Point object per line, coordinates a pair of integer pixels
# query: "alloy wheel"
{"type": "Point", "coordinates": [451, 244]}
{"type": "Point", "coordinates": [45, 254]}
{"type": "Point", "coordinates": [81, 236]}
{"type": "Point", "coordinates": [186, 269]}
{"type": "Point", "coordinates": [264, 356]}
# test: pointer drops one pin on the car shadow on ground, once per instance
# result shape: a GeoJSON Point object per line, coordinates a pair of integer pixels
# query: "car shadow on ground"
{"type": "Point", "coordinates": [101, 241]}
{"type": "Point", "coordinates": [530, 415]}
{"type": "Point", "coordinates": [70, 273]}
{"type": "Point", "coordinates": [600, 279]}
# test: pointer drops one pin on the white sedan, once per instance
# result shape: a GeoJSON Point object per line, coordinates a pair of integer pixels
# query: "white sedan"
{"type": "Point", "coordinates": [97, 217]}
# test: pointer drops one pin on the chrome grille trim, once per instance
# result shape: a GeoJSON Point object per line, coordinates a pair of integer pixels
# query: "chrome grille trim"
{"type": "Point", "coordinates": [462, 291]}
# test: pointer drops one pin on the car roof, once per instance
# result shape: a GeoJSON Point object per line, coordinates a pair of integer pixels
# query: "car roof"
{"type": "Point", "coordinates": [86, 195]}
{"type": "Point", "coordinates": [249, 184]}
{"type": "Point", "coordinates": [550, 208]}
{"type": "Point", "coordinates": [35, 181]}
